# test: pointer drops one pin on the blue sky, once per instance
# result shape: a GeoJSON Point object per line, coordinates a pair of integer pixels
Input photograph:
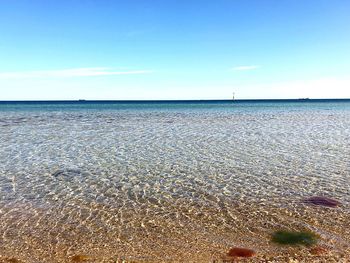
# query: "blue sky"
{"type": "Point", "coordinates": [174, 49]}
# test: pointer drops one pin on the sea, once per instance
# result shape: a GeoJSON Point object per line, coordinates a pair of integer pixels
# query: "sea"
{"type": "Point", "coordinates": [172, 181]}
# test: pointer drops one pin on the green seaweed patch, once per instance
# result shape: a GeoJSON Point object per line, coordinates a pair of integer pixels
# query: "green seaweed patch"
{"type": "Point", "coordinates": [294, 238]}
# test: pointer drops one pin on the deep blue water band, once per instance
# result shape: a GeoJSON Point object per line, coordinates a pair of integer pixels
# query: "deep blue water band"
{"type": "Point", "coordinates": [170, 101]}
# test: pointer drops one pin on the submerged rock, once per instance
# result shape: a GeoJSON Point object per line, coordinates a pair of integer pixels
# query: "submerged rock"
{"type": "Point", "coordinates": [322, 201]}
{"type": "Point", "coordinates": [241, 252]}
{"type": "Point", "coordinates": [294, 238]}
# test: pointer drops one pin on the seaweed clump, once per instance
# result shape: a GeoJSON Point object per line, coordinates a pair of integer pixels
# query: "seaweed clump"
{"type": "Point", "coordinates": [322, 201]}
{"type": "Point", "coordinates": [294, 238]}
{"type": "Point", "coordinates": [241, 252]}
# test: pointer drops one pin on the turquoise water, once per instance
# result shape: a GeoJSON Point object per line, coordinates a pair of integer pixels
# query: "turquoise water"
{"type": "Point", "coordinates": [176, 181]}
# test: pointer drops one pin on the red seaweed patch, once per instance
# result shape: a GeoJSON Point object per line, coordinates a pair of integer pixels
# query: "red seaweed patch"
{"type": "Point", "coordinates": [241, 252]}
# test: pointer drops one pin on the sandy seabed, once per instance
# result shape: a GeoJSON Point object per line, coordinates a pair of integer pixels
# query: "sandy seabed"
{"type": "Point", "coordinates": [182, 185]}
{"type": "Point", "coordinates": [168, 232]}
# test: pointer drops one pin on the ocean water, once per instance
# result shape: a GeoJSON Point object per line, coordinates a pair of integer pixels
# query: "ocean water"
{"type": "Point", "coordinates": [171, 181]}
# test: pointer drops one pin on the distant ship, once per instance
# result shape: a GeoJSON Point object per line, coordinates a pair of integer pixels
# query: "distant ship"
{"type": "Point", "coordinates": [82, 100]}
{"type": "Point", "coordinates": [303, 98]}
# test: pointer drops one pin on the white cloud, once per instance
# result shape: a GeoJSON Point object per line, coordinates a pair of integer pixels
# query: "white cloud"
{"type": "Point", "coordinates": [68, 73]}
{"type": "Point", "coordinates": [242, 68]}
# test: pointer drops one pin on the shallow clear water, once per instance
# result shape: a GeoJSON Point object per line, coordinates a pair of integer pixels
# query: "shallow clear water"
{"type": "Point", "coordinates": [170, 181]}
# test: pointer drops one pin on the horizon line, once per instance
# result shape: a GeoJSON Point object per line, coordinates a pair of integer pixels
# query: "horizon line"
{"type": "Point", "coordinates": [176, 100]}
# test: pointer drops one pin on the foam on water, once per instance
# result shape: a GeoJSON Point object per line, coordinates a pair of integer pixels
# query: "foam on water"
{"type": "Point", "coordinates": [170, 182]}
